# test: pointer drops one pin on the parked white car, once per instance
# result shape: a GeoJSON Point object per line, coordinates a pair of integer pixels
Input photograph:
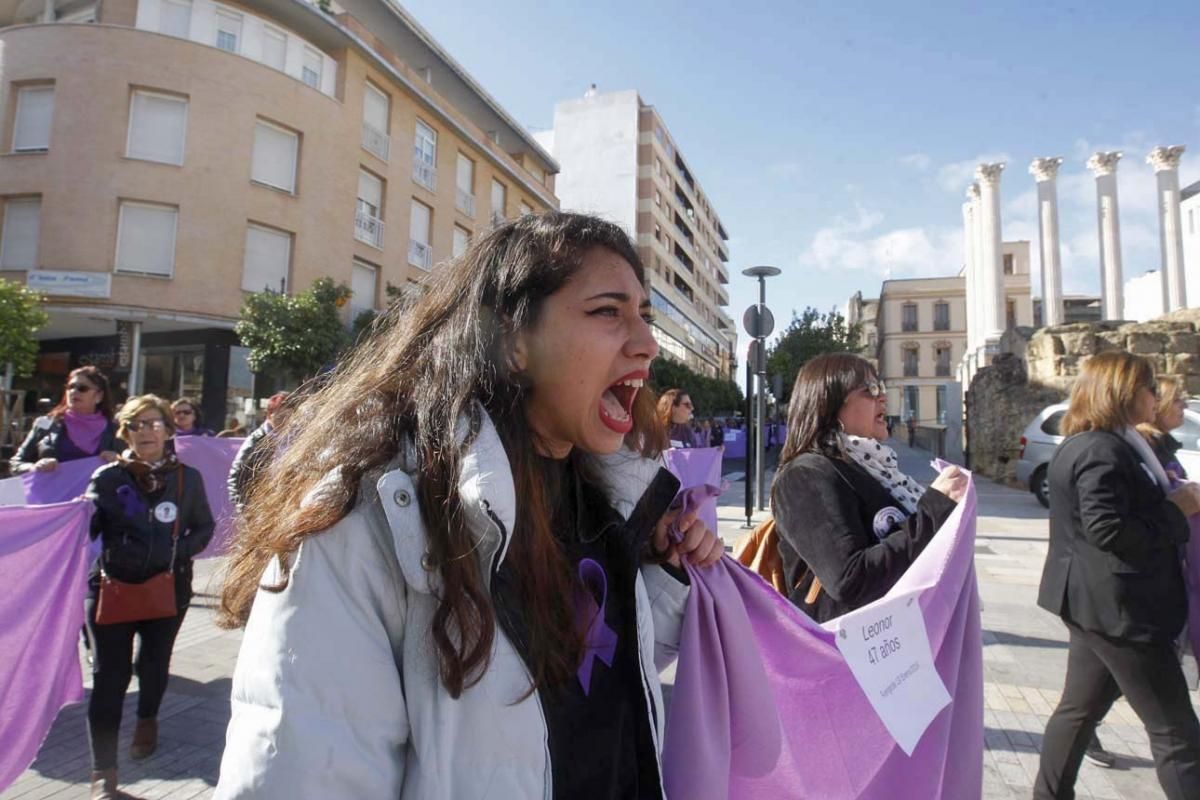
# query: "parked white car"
{"type": "Point", "coordinates": [1043, 435]}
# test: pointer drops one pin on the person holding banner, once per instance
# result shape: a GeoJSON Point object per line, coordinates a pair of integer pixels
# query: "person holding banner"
{"type": "Point", "coordinates": [849, 521]}
{"type": "Point", "coordinates": [186, 414]}
{"type": "Point", "coordinates": [461, 577]}
{"type": "Point", "coordinates": [152, 519]}
{"type": "Point", "coordinates": [1113, 575]}
{"type": "Point", "coordinates": [675, 416]}
{"type": "Point", "coordinates": [1168, 415]}
{"type": "Point", "coordinates": [80, 426]}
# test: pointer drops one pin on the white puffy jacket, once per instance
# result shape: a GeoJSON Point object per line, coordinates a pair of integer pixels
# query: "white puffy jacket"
{"type": "Point", "coordinates": [336, 693]}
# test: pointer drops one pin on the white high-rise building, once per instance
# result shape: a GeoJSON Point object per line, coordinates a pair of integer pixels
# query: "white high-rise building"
{"type": "Point", "coordinates": [619, 161]}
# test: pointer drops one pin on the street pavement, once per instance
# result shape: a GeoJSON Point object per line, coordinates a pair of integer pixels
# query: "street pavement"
{"type": "Point", "coordinates": [1024, 664]}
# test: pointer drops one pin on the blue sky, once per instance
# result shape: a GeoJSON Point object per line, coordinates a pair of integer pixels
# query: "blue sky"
{"type": "Point", "coordinates": [836, 139]}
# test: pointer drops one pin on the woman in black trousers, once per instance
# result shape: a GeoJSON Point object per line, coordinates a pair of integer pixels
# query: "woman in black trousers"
{"type": "Point", "coordinates": [151, 516]}
{"type": "Point", "coordinates": [1113, 574]}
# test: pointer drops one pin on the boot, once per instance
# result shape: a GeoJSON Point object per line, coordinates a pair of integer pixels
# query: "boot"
{"type": "Point", "coordinates": [145, 739]}
{"type": "Point", "coordinates": [104, 785]}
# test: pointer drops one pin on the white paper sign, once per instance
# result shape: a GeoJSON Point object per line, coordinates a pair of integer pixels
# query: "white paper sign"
{"type": "Point", "coordinates": [887, 648]}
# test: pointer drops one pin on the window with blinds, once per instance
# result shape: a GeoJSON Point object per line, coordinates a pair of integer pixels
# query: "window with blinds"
{"type": "Point", "coordinates": [19, 236]}
{"type": "Point", "coordinates": [229, 31]}
{"type": "Point", "coordinates": [157, 128]}
{"type": "Point", "coordinates": [363, 287]}
{"type": "Point", "coordinates": [275, 154]}
{"type": "Point", "coordinates": [462, 239]}
{"type": "Point", "coordinates": [146, 238]}
{"type": "Point", "coordinates": [35, 111]}
{"type": "Point", "coordinates": [499, 196]}
{"type": "Point", "coordinates": [310, 68]}
{"type": "Point", "coordinates": [267, 261]}
{"type": "Point", "coordinates": [420, 254]}
{"type": "Point", "coordinates": [274, 48]}
{"type": "Point", "coordinates": [175, 18]}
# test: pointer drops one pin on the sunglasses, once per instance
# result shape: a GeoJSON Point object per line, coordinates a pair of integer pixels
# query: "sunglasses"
{"type": "Point", "coordinates": [139, 425]}
{"type": "Point", "coordinates": [184, 412]}
{"type": "Point", "coordinates": [80, 388]}
{"type": "Point", "coordinates": [875, 389]}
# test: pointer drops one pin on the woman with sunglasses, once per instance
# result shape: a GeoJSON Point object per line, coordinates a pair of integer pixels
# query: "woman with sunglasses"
{"type": "Point", "coordinates": [675, 415]}
{"type": "Point", "coordinates": [186, 414]}
{"type": "Point", "coordinates": [151, 516]}
{"type": "Point", "coordinates": [80, 426]}
{"type": "Point", "coordinates": [849, 521]}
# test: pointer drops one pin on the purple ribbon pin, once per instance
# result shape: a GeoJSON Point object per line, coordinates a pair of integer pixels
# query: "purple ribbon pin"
{"type": "Point", "coordinates": [131, 503]}
{"type": "Point", "coordinates": [599, 640]}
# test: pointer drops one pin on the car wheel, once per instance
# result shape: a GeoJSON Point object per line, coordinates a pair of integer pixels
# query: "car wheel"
{"type": "Point", "coordinates": [1039, 483]}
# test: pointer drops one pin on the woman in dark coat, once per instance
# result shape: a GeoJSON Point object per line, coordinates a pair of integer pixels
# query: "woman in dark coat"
{"type": "Point", "coordinates": [1113, 575]}
{"type": "Point", "coordinates": [849, 522]}
{"type": "Point", "coordinates": [143, 501]}
{"type": "Point", "coordinates": [80, 426]}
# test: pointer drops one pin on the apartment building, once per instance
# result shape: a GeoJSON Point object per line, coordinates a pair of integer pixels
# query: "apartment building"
{"type": "Point", "coordinates": [1189, 209]}
{"type": "Point", "coordinates": [922, 335]}
{"type": "Point", "coordinates": [163, 158]}
{"type": "Point", "coordinates": [619, 161]}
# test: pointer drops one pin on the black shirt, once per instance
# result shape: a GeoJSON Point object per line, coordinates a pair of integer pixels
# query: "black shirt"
{"type": "Point", "coordinates": [600, 741]}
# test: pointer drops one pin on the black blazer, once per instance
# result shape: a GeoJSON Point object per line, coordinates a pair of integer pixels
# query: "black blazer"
{"type": "Point", "coordinates": [46, 441]}
{"type": "Point", "coordinates": [831, 520]}
{"type": "Point", "coordinates": [1113, 565]}
{"type": "Point", "coordinates": [135, 540]}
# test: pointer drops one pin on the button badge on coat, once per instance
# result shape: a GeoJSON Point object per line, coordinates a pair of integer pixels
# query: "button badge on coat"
{"type": "Point", "coordinates": [166, 512]}
{"type": "Point", "coordinates": [886, 519]}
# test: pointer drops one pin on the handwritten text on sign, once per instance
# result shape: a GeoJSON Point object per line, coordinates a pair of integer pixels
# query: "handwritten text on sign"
{"type": "Point", "coordinates": [887, 649]}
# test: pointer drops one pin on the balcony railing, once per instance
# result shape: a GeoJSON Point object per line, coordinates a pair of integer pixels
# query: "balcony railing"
{"type": "Point", "coordinates": [375, 141]}
{"type": "Point", "coordinates": [497, 218]}
{"type": "Point", "coordinates": [424, 173]}
{"type": "Point", "coordinates": [464, 201]}
{"type": "Point", "coordinates": [420, 254]}
{"type": "Point", "coordinates": [368, 229]}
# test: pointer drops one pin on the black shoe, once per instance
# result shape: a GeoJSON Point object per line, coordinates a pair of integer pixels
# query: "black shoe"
{"type": "Point", "coordinates": [1096, 754]}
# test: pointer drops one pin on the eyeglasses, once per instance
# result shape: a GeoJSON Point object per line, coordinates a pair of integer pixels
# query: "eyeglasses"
{"type": "Point", "coordinates": [875, 388]}
{"type": "Point", "coordinates": [687, 404]}
{"type": "Point", "coordinates": [80, 388]}
{"type": "Point", "coordinates": [184, 412]}
{"type": "Point", "coordinates": [138, 425]}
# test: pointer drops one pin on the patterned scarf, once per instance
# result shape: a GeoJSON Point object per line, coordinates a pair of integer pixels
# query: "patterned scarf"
{"type": "Point", "coordinates": [880, 461]}
{"type": "Point", "coordinates": [149, 476]}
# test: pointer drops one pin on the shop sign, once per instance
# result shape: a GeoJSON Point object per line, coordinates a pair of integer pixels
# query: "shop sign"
{"type": "Point", "coordinates": [70, 284]}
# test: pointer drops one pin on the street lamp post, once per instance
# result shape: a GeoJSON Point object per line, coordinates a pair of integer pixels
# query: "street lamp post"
{"type": "Point", "coordinates": [760, 330]}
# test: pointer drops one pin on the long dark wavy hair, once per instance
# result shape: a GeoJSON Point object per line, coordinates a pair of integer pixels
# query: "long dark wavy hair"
{"type": "Point", "coordinates": [426, 367]}
{"type": "Point", "coordinates": [819, 393]}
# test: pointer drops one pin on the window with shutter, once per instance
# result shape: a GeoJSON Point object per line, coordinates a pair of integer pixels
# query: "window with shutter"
{"type": "Point", "coordinates": [175, 18]}
{"type": "Point", "coordinates": [499, 196]}
{"type": "Point", "coordinates": [146, 238]}
{"type": "Point", "coordinates": [19, 237]}
{"type": "Point", "coordinates": [273, 162]}
{"type": "Point", "coordinates": [310, 70]}
{"type": "Point", "coordinates": [462, 239]}
{"type": "Point", "coordinates": [157, 128]}
{"type": "Point", "coordinates": [229, 31]}
{"type": "Point", "coordinates": [35, 111]}
{"type": "Point", "coordinates": [274, 52]}
{"type": "Point", "coordinates": [363, 282]}
{"type": "Point", "coordinates": [419, 252]}
{"type": "Point", "coordinates": [267, 260]}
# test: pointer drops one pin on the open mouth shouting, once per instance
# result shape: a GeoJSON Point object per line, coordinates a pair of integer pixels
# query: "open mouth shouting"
{"type": "Point", "coordinates": [616, 404]}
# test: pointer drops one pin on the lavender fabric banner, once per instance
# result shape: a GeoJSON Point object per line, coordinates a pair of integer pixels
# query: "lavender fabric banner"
{"type": "Point", "coordinates": [699, 473]}
{"type": "Point", "coordinates": [764, 704]}
{"type": "Point", "coordinates": [43, 571]}
{"type": "Point", "coordinates": [67, 482]}
{"type": "Point", "coordinates": [1191, 572]}
{"type": "Point", "coordinates": [213, 457]}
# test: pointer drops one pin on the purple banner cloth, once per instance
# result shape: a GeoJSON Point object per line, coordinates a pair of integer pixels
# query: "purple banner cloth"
{"type": "Point", "coordinates": [735, 443]}
{"type": "Point", "coordinates": [1191, 572]}
{"type": "Point", "coordinates": [213, 458]}
{"type": "Point", "coordinates": [764, 704]}
{"type": "Point", "coordinates": [67, 482]}
{"type": "Point", "coordinates": [43, 571]}
{"type": "Point", "coordinates": [699, 473]}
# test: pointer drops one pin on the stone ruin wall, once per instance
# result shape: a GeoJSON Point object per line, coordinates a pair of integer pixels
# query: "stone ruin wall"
{"type": "Point", "coordinates": [1038, 367]}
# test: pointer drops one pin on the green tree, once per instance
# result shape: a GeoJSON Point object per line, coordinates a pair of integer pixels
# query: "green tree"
{"type": "Point", "coordinates": [295, 335]}
{"type": "Point", "coordinates": [711, 396]}
{"type": "Point", "coordinates": [807, 336]}
{"type": "Point", "coordinates": [21, 316]}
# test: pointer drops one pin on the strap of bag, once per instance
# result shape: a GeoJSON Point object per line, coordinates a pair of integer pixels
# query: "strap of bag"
{"type": "Point", "coordinates": [178, 514]}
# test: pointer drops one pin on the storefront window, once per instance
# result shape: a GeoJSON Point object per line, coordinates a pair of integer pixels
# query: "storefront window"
{"type": "Point", "coordinates": [173, 372]}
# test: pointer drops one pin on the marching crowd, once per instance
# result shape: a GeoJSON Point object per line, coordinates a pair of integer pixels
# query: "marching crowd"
{"type": "Point", "coordinates": [473, 506]}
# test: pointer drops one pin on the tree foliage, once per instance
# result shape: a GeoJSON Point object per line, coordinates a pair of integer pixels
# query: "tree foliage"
{"type": "Point", "coordinates": [807, 336]}
{"type": "Point", "coordinates": [711, 396]}
{"type": "Point", "coordinates": [296, 334]}
{"type": "Point", "coordinates": [21, 316]}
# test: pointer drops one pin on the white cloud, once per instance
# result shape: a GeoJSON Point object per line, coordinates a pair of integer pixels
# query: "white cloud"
{"type": "Point", "coordinates": [957, 176]}
{"type": "Point", "coordinates": [856, 245]}
{"type": "Point", "coordinates": [918, 161]}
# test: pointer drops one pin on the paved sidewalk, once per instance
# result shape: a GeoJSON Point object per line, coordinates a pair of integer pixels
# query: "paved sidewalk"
{"type": "Point", "coordinates": [1024, 663]}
